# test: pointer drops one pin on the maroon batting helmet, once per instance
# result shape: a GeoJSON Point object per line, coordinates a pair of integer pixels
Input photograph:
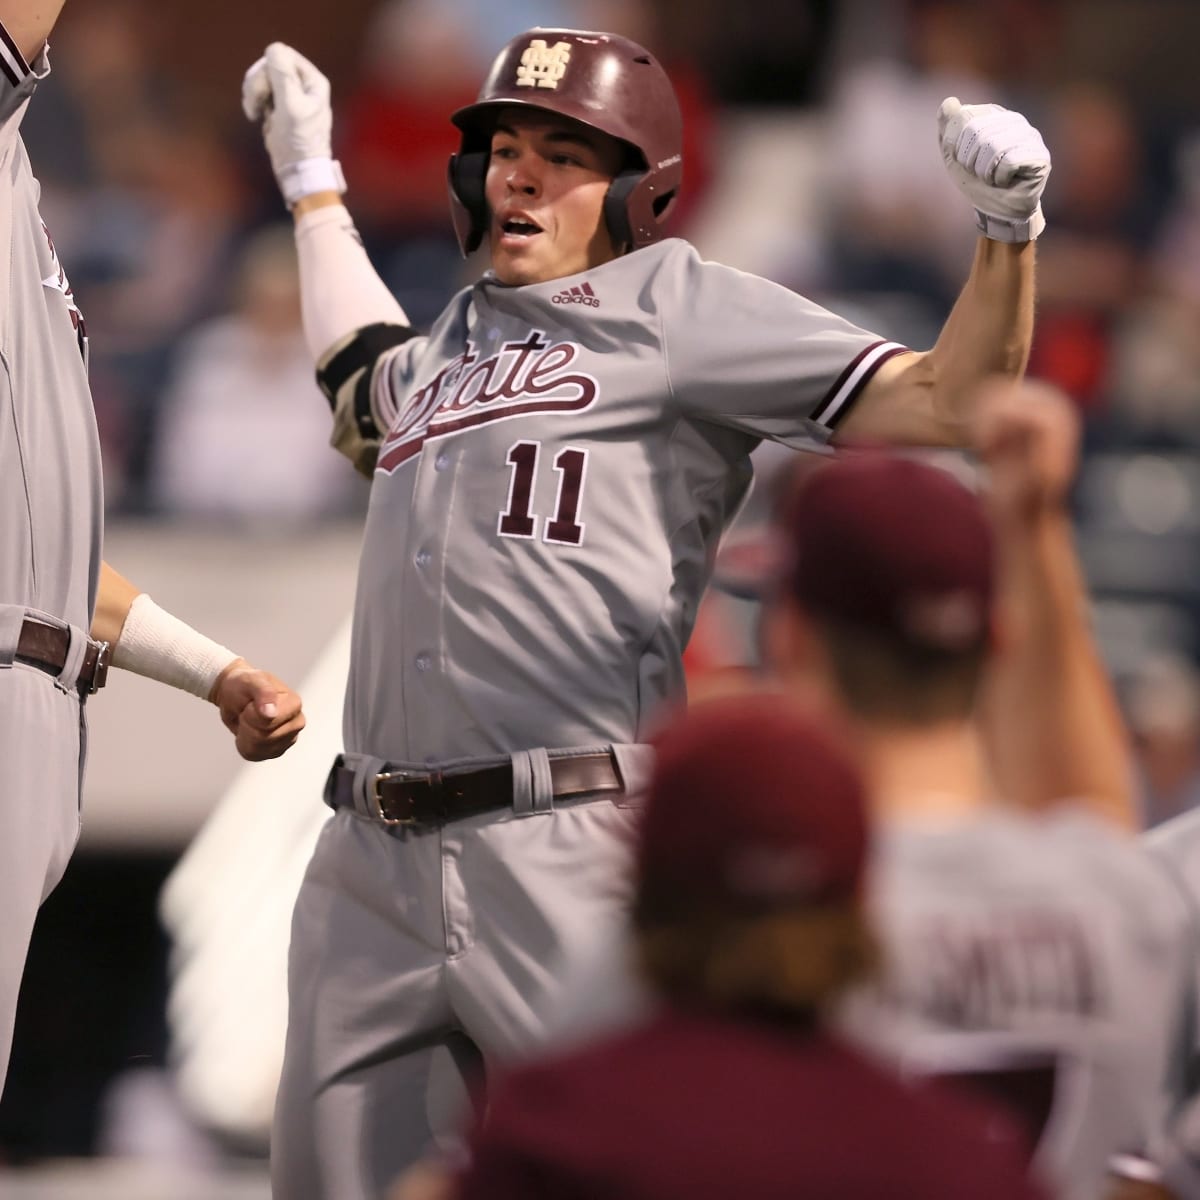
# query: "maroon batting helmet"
{"type": "Point", "coordinates": [601, 80]}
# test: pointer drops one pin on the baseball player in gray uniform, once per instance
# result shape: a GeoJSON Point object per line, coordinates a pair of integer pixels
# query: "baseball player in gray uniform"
{"type": "Point", "coordinates": [551, 464]}
{"type": "Point", "coordinates": [1035, 922]}
{"type": "Point", "coordinates": [1167, 1166]}
{"type": "Point", "coordinates": [64, 614]}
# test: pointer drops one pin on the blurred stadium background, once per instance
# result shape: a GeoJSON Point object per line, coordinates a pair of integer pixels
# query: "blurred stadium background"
{"type": "Point", "coordinates": [810, 159]}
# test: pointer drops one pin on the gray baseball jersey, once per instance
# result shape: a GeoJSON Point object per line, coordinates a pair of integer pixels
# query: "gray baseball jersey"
{"type": "Point", "coordinates": [560, 461]}
{"type": "Point", "coordinates": [50, 509]}
{"type": "Point", "coordinates": [1176, 1148]}
{"type": "Point", "coordinates": [50, 481]}
{"type": "Point", "coordinates": [1058, 930]}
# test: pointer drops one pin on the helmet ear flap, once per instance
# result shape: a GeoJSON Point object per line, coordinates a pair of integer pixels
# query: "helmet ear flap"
{"type": "Point", "coordinates": [466, 175]}
{"type": "Point", "coordinates": [616, 209]}
{"type": "Point", "coordinates": [637, 205]}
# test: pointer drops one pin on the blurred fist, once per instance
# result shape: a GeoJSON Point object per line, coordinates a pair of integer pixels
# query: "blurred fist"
{"type": "Point", "coordinates": [290, 97]}
{"type": "Point", "coordinates": [263, 713]}
{"type": "Point", "coordinates": [1027, 435]}
{"type": "Point", "coordinates": [1000, 163]}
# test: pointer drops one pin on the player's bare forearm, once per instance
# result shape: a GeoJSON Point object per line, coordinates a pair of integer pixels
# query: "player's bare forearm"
{"type": "Point", "coordinates": [990, 328]}
{"type": "Point", "coordinates": [311, 203]}
{"type": "Point", "coordinates": [28, 23]}
{"type": "Point", "coordinates": [925, 399]}
{"type": "Point", "coordinates": [113, 598]}
{"type": "Point", "coordinates": [1050, 714]}
{"type": "Point", "coordinates": [1049, 710]}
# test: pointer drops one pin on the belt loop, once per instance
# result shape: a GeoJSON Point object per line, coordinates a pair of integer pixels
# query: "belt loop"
{"type": "Point", "coordinates": [68, 677]}
{"type": "Point", "coordinates": [365, 769]}
{"type": "Point", "coordinates": [533, 789]}
{"type": "Point", "coordinates": [522, 772]}
{"type": "Point", "coordinates": [635, 762]}
{"type": "Point", "coordinates": [543, 781]}
{"type": "Point", "coordinates": [12, 617]}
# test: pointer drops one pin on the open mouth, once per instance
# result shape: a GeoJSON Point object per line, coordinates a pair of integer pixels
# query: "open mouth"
{"type": "Point", "coordinates": [519, 228]}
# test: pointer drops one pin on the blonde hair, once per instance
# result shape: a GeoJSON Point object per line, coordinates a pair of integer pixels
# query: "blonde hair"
{"type": "Point", "coordinates": [794, 961]}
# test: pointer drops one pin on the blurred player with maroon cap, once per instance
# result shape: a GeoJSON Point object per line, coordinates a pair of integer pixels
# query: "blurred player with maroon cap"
{"type": "Point", "coordinates": [749, 923]}
{"type": "Point", "coordinates": [1009, 898]}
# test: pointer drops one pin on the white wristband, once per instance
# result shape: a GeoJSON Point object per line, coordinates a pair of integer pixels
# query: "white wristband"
{"type": "Point", "coordinates": [1010, 229]}
{"type": "Point", "coordinates": [310, 175]}
{"type": "Point", "coordinates": [156, 644]}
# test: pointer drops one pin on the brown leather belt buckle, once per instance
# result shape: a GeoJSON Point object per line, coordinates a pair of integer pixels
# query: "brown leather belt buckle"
{"type": "Point", "coordinates": [100, 671]}
{"type": "Point", "coordinates": [400, 805]}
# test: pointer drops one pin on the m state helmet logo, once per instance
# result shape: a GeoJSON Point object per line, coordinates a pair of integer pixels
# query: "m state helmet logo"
{"type": "Point", "coordinates": [543, 66]}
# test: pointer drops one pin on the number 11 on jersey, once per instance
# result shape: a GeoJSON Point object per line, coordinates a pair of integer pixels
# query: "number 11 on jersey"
{"type": "Point", "coordinates": [516, 521]}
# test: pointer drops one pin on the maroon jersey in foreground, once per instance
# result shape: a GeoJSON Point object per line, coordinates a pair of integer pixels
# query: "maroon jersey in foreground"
{"type": "Point", "coordinates": [698, 1107]}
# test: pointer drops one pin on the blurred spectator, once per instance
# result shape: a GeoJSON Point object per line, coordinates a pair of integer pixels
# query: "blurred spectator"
{"type": "Point", "coordinates": [1101, 214]}
{"type": "Point", "coordinates": [244, 431]}
{"type": "Point", "coordinates": [897, 221]}
{"type": "Point", "coordinates": [395, 140]}
{"type": "Point", "coordinates": [749, 923]}
{"type": "Point", "coordinates": [1155, 375]}
{"type": "Point", "coordinates": [1163, 708]}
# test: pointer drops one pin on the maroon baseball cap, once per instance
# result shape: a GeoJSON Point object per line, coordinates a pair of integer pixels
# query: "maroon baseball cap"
{"type": "Point", "coordinates": [883, 542]}
{"type": "Point", "coordinates": [752, 805]}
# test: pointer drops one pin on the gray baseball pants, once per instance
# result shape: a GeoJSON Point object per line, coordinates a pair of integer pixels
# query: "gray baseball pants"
{"type": "Point", "coordinates": [418, 959]}
{"type": "Point", "coordinates": [42, 749]}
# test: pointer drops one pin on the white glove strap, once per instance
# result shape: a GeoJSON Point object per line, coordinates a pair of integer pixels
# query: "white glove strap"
{"type": "Point", "coordinates": [156, 644]}
{"type": "Point", "coordinates": [1006, 229]}
{"type": "Point", "coordinates": [311, 175]}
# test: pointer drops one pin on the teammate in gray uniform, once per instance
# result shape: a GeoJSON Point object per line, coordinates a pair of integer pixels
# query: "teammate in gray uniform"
{"type": "Point", "coordinates": [551, 466]}
{"type": "Point", "coordinates": [1167, 1167]}
{"type": "Point", "coordinates": [54, 588]}
{"type": "Point", "coordinates": [1039, 921]}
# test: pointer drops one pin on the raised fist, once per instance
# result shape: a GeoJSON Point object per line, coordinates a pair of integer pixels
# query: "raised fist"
{"type": "Point", "coordinates": [1000, 163]}
{"type": "Point", "coordinates": [290, 97]}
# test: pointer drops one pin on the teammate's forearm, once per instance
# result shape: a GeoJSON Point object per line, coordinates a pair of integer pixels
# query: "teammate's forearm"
{"type": "Point", "coordinates": [28, 23]}
{"type": "Point", "coordinates": [988, 332]}
{"type": "Point", "coordinates": [1050, 713]}
{"type": "Point", "coordinates": [113, 598]}
{"type": "Point", "coordinates": [154, 643]}
{"type": "Point", "coordinates": [340, 291]}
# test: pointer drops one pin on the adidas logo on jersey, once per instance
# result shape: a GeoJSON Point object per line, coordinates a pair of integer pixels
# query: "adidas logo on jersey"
{"type": "Point", "coordinates": [578, 295]}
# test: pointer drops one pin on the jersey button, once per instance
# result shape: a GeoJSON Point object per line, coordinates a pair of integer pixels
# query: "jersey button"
{"type": "Point", "coordinates": [423, 558]}
{"type": "Point", "coordinates": [424, 662]}
{"type": "Point", "coordinates": [441, 462]}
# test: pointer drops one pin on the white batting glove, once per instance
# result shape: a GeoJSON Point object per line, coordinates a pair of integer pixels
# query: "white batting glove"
{"type": "Point", "coordinates": [290, 97]}
{"type": "Point", "coordinates": [1000, 163]}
